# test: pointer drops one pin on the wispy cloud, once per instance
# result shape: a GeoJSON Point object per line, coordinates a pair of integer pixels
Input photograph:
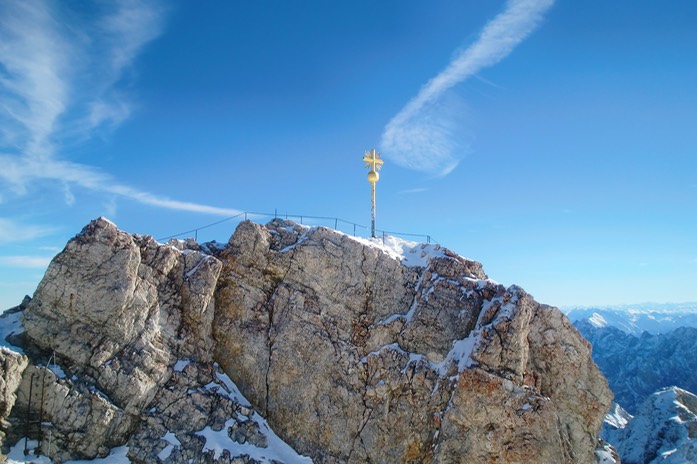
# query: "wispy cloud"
{"type": "Point", "coordinates": [13, 231]}
{"type": "Point", "coordinates": [426, 134]}
{"type": "Point", "coordinates": [30, 262]}
{"type": "Point", "coordinates": [413, 190]}
{"type": "Point", "coordinates": [61, 76]}
{"type": "Point", "coordinates": [24, 169]}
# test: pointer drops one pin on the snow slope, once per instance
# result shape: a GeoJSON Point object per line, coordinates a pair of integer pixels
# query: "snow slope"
{"type": "Point", "coordinates": [664, 430]}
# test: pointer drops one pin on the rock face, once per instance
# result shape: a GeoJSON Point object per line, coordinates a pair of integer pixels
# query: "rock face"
{"type": "Point", "coordinates": [12, 366]}
{"type": "Point", "coordinates": [355, 357]}
{"type": "Point", "coordinates": [129, 320]}
{"type": "Point", "coordinates": [354, 351]}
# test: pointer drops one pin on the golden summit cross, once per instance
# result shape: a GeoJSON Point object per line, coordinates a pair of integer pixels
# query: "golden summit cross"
{"type": "Point", "coordinates": [373, 161]}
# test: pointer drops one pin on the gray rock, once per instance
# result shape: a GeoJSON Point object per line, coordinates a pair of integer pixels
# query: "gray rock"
{"type": "Point", "coordinates": [12, 365]}
{"type": "Point", "coordinates": [354, 357]}
{"type": "Point", "coordinates": [351, 353]}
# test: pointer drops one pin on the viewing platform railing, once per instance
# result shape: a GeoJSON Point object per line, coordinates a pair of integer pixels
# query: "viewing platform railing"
{"type": "Point", "coordinates": [341, 225]}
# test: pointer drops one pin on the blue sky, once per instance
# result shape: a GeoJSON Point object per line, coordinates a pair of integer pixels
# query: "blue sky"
{"type": "Point", "coordinates": [554, 142]}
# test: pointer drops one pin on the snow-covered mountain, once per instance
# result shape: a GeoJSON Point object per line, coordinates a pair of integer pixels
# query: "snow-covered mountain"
{"type": "Point", "coordinates": [664, 430]}
{"type": "Point", "coordinates": [644, 371]}
{"type": "Point", "coordinates": [634, 319]}
{"type": "Point", "coordinates": [637, 366]}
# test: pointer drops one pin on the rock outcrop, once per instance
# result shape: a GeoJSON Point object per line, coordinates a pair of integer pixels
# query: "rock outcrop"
{"type": "Point", "coordinates": [412, 364]}
{"type": "Point", "coordinates": [354, 351]}
{"type": "Point", "coordinates": [12, 366]}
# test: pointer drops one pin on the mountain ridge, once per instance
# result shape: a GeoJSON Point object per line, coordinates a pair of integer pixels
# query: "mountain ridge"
{"type": "Point", "coordinates": [352, 353]}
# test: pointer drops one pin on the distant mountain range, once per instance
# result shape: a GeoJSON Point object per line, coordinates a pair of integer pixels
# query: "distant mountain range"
{"type": "Point", "coordinates": [634, 319]}
{"type": "Point", "coordinates": [637, 366]}
{"type": "Point", "coordinates": [648, 353]}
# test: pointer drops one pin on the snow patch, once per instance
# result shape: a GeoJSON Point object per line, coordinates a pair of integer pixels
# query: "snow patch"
{"type": "Point", "coordinates": [604, 457]}
{"type": "Point", "coordinates": [181, 364]}
{"type": "Point", "coordinates": [11, 323]}
{"type": "Point", "coordinates": [410, 254]}
{"type": "Point", "coordinates": [597, 320]}
{"type": "Point", "coordinates": [392, 346]}
{"type": "Point", "coordinates": [16, 455]}
{"type": "Point", "coordinates": [460, 354]}
{"type": "Point", "coordinates": [172, 441]}
{"type": "Point", "coordinates": [228, 388]}
{"type": "Point", "coordinates": [56, 369]}
{"type": "Point", "coordinates": [300, 240]}
{"type": "Point", "coordinates": [203, 260]}
{"type": "Point", "coordinates": [277, 449]}
{"type": "Point", "coordinates": [617, 417]}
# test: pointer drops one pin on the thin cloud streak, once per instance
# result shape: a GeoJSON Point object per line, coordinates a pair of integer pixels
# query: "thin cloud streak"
{"type": "Point", "coordinates": [12, 231]}
{"type": "Point", "coordinates": [58, 84]}
{"type": "Point", "coordinates": [425, 135]}
{"type": "Point", "coordinates": [29, 262]}
{"type": "Point", "coordinates": [413, 190]}
{"type": "Point", "coordinates": [96, 180]}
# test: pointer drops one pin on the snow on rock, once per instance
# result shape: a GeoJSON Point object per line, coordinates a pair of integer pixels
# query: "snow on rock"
{"type": "Point", "coordinates": [400, 342]}
{"type": "Point", "coordinates": [172, 441]}
{"type": "Point", "coordinates": [617, 417]}
{"type": "Point", "coordinates": [360, 350]}
{"type": "Point", "coordinates": [16, 455]}
{"type": "Point", "coordinates": [272, 449]}
{"type": "Point", "coordinates": [597, 320]}
{"type": "Point", "coordinates": [181, 364]}
{"type": "Point", "coordinates": [663, 431]}
{"type": "Point", "coordinates": [605, 454]}
{"type": "Point", "coordinates": [409, 253]}
{"type": "Point", "coordinates": [227, 386]}
{"type": "Point", "coordinates": [11, 325]}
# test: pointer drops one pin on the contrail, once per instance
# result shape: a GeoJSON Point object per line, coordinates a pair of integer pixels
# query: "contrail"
{"type": "Point", "coordinates": [425, 135]}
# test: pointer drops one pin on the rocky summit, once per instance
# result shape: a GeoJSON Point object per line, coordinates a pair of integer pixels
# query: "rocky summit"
{"type": "Point", "coordinates": [292, 344]}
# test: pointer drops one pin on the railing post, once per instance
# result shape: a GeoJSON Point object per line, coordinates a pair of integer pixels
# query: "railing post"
{"type": "Point", "coordinates": [28, 420]}
{"type": "Point", "coordinates": [336, 224]}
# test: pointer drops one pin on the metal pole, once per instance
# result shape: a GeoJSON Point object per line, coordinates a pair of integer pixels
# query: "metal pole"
{"type": "Point", "coordinates": [372, 227]}
{"type": "Point", "coordinates": [26, 437]}
{"type": "Point", "coordinates": [41, 409]}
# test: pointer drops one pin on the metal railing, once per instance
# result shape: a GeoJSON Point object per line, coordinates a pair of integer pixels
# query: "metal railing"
{"type": "Point", "coordinates": [342, 225]}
